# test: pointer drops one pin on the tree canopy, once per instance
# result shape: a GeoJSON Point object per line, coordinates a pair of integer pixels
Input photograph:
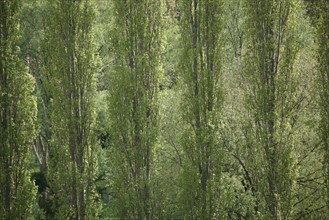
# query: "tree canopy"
{"type": "Point", "coordinates": [164, 109]}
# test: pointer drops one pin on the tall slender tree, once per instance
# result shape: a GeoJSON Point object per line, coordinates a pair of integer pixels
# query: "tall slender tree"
{"type": "Point", "coordinates": [323, 59]}
{"type": "Point", "coordinates": [133, 104]}
{"type": "Point", "coordinates": [201, 67]}
{"type": "Point", "coordinates": [69, 77]}
{"type": "Point", "coordinates": [319, 13]}
{"type": "Point", "coordinates": [17, 117]}
{"type": "Point", "coordinates": [272, 105]}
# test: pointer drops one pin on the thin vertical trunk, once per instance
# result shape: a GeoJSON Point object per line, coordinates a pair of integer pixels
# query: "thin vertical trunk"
{"type": "Point", "coordinates": [199, 146]}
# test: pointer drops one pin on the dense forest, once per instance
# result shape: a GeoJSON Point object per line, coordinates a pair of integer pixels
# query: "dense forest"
{"type": "Point", "coordinates": [164, 109]}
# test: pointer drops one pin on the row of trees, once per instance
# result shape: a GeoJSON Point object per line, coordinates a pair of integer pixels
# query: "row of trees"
{"type": "Point", "coordinates": [164, 109]}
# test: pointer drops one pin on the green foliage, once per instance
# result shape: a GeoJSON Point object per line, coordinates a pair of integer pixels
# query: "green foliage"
{"type": "Point", "coordinates": [70, 82]}
{"type": "Point", "coordinates": [164, 109]}
{"type": "Point", "coordinates": [200, 66]}
{"type": "Point", "coordinates": [318, 11]}
{"type": "Point", "coordinates": [273, 103]}
{"type": "Point", "coordinates": [133, 104]}
{"type": "Point", "coordinates": [17, 118]}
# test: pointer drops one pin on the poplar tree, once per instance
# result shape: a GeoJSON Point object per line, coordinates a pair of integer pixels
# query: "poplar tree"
{"type": "Point", "coordinates": [17, 117]}
{"type": "Point", "coordinates": [323, 59]}
{"type": "Point", "coordinates": [200, 66]}
{"type": "Point", "coordinates": [272, 106]}
{"type": "Point", "coordinates": [69, 79]}
{"type": "Point", "coordinates": [319, 12]}
{"type": "Point", "coordinates": [133, 105]}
